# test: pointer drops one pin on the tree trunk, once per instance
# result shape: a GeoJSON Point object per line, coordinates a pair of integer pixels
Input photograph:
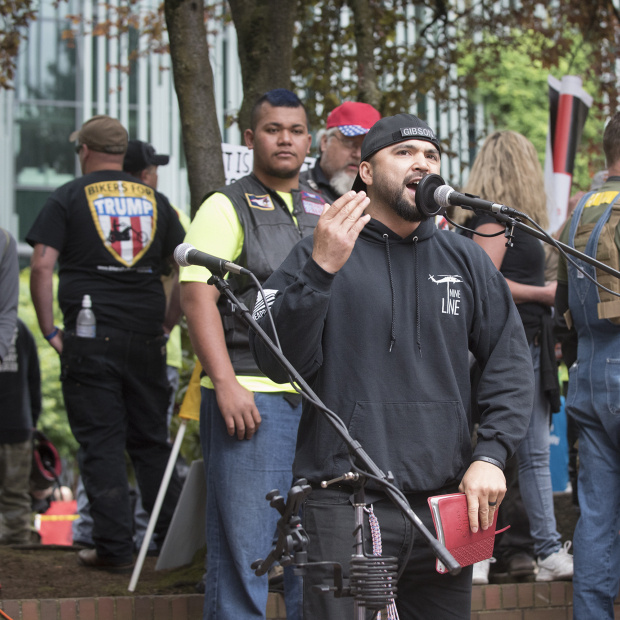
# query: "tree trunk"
{"type": "Point", "coordinates": [363, 22]}
{"type": "Point", "coordinates": [265, 47]}
{"type": "Point", "coordinates": [193, 82]}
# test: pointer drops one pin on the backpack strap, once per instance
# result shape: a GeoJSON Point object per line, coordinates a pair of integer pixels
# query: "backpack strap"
{"type": "Point", "coordinates": [597, 239]}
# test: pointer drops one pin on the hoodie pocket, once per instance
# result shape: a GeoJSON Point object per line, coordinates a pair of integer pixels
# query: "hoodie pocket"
{"type": "Point", "coordinates": [425, 445]}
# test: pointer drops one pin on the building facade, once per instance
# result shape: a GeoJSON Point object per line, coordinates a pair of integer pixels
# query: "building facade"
{"type": "Point", "coordinates": [63, 79]}
{"type": "Point", "coordinates": [67, 73]}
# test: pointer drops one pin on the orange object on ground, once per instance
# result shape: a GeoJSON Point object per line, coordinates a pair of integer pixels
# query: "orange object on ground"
{"type": "Point", "coordinates": [54, 525]}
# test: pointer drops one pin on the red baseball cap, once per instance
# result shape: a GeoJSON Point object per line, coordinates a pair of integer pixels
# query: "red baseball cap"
{"type": "Point", "coordinates": [353, 118]}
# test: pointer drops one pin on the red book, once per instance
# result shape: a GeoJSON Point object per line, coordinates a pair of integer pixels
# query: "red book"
{"type": "Point", "coordinates": [452, 526]}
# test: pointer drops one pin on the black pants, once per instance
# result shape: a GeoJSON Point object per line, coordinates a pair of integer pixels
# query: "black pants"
{"type": "Point", "coordinates": [116, 395]}
{"type": "Point", "coordinates": [329, 521]}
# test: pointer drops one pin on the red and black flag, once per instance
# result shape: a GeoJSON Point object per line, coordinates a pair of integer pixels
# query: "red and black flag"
{"type": "Point", "coordinates": [568, 109]}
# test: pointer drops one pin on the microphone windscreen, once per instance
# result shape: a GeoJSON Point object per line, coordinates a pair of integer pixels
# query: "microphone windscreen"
{"type": "Point", "coordinates": [425, 195]}
{"type": "Point", "coordinates": [180, 254]}
{"type": "Point", "coordinates": [441, 196]}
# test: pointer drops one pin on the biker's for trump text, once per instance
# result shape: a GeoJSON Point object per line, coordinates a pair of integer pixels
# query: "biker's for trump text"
{"type": "Point", "coordinates": [125, 216]}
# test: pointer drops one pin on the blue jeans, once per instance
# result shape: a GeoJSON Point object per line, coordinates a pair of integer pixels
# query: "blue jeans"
{"type": "Point", "coordinates": [534, 472]}
{"type": "Point", "coordinates": [596, 540]}
{"type": "Point", "coordinates": [241, 524]}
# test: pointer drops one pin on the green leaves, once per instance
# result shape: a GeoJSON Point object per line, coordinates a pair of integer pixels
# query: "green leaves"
{"type": "Point", "coordinates": [512, 84]}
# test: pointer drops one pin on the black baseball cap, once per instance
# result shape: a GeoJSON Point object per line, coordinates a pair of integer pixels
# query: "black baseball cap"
{"type": "Point", "coordinates": [140, 155]}
{"type": "Point", "coordinates": [391, 130]}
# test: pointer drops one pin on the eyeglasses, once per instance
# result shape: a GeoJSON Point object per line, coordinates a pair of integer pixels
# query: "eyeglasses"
{"type": "Point", "coordinates": [349, 143]}
{"type": "Point", "coordinates": [78, 148]}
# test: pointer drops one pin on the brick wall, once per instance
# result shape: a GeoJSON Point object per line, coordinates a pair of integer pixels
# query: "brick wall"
{"type": "Point", "coordinates": [523, 601]}
{"type": "Point", "coordinates": [514, 601]}
{"type": "Point", "coordinates": [182, 607]}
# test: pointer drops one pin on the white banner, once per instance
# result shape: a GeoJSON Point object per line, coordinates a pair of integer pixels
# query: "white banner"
{"type": "Point", "coordinates": [238, 161]}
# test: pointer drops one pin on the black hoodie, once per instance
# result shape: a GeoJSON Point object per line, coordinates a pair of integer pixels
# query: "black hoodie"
{"type": "Point", "coordinates": [385, 344]}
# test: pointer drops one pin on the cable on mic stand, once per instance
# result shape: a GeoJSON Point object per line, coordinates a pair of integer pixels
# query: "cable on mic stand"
{"type": "Point", "coordinates": [432, 186]}
{"type": "Point", "coordinates": [372, 579]}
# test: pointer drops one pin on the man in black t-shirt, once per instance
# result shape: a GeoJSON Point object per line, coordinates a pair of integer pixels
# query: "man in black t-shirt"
{"type": "Point", "coordinates": [111, 236]}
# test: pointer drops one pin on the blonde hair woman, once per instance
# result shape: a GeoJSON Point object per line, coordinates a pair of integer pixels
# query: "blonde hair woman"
{"type": "Point", "coordinates": [507, 171]}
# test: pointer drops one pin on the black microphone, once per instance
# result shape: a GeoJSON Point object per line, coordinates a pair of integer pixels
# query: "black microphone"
{"type": "Point", "coordinates": [446, 196]}
{"type": "Point", "coordinates": [425, 195]}
{"type": "Point", "coordinates": [186, 254]}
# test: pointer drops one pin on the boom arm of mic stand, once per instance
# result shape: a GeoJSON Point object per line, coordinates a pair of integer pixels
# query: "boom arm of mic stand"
{"type": "Point", "coordinates": [505, 219]}
{"type": "Point", "coordinates": [353, 445]}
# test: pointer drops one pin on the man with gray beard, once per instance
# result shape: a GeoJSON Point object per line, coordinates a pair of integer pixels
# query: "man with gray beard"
{"type": "Point", "coordinates": [340, 147]}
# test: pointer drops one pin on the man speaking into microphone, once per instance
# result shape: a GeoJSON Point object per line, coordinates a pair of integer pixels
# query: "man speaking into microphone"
{"type": "Point", "coordinates": [378, 312]}
{"type": "Point", "coordinates": [248, 424]}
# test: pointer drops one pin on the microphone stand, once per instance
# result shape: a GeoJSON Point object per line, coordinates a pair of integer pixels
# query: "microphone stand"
{"type": "Point", "coordinates": [372, 579]}
{"type": "Point", "coordinates": [429, 206]}
{"type": "Point", "coordinates": [511, 222]}
{"type": "Point", "coordinates": [355, 448]}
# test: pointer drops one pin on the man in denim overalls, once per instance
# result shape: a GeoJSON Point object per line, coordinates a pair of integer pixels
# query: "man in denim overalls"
{"type": "Point", "coordinates": [593, 398]}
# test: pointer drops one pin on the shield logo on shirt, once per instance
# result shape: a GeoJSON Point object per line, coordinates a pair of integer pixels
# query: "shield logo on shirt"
{"type": "Point", "coordinates": [125, 216]}
{"type": "Point", "coordinates": [263, 203]}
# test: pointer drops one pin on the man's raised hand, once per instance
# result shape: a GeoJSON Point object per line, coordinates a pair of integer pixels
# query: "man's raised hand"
{"type": "Point", "coordinates": [337, 230]}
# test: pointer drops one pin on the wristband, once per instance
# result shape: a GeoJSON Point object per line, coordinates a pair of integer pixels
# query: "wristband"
{"type": "Point", "coordinates": [52, 334]}
{"type": "Point", "coordinates": [488, 459]}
